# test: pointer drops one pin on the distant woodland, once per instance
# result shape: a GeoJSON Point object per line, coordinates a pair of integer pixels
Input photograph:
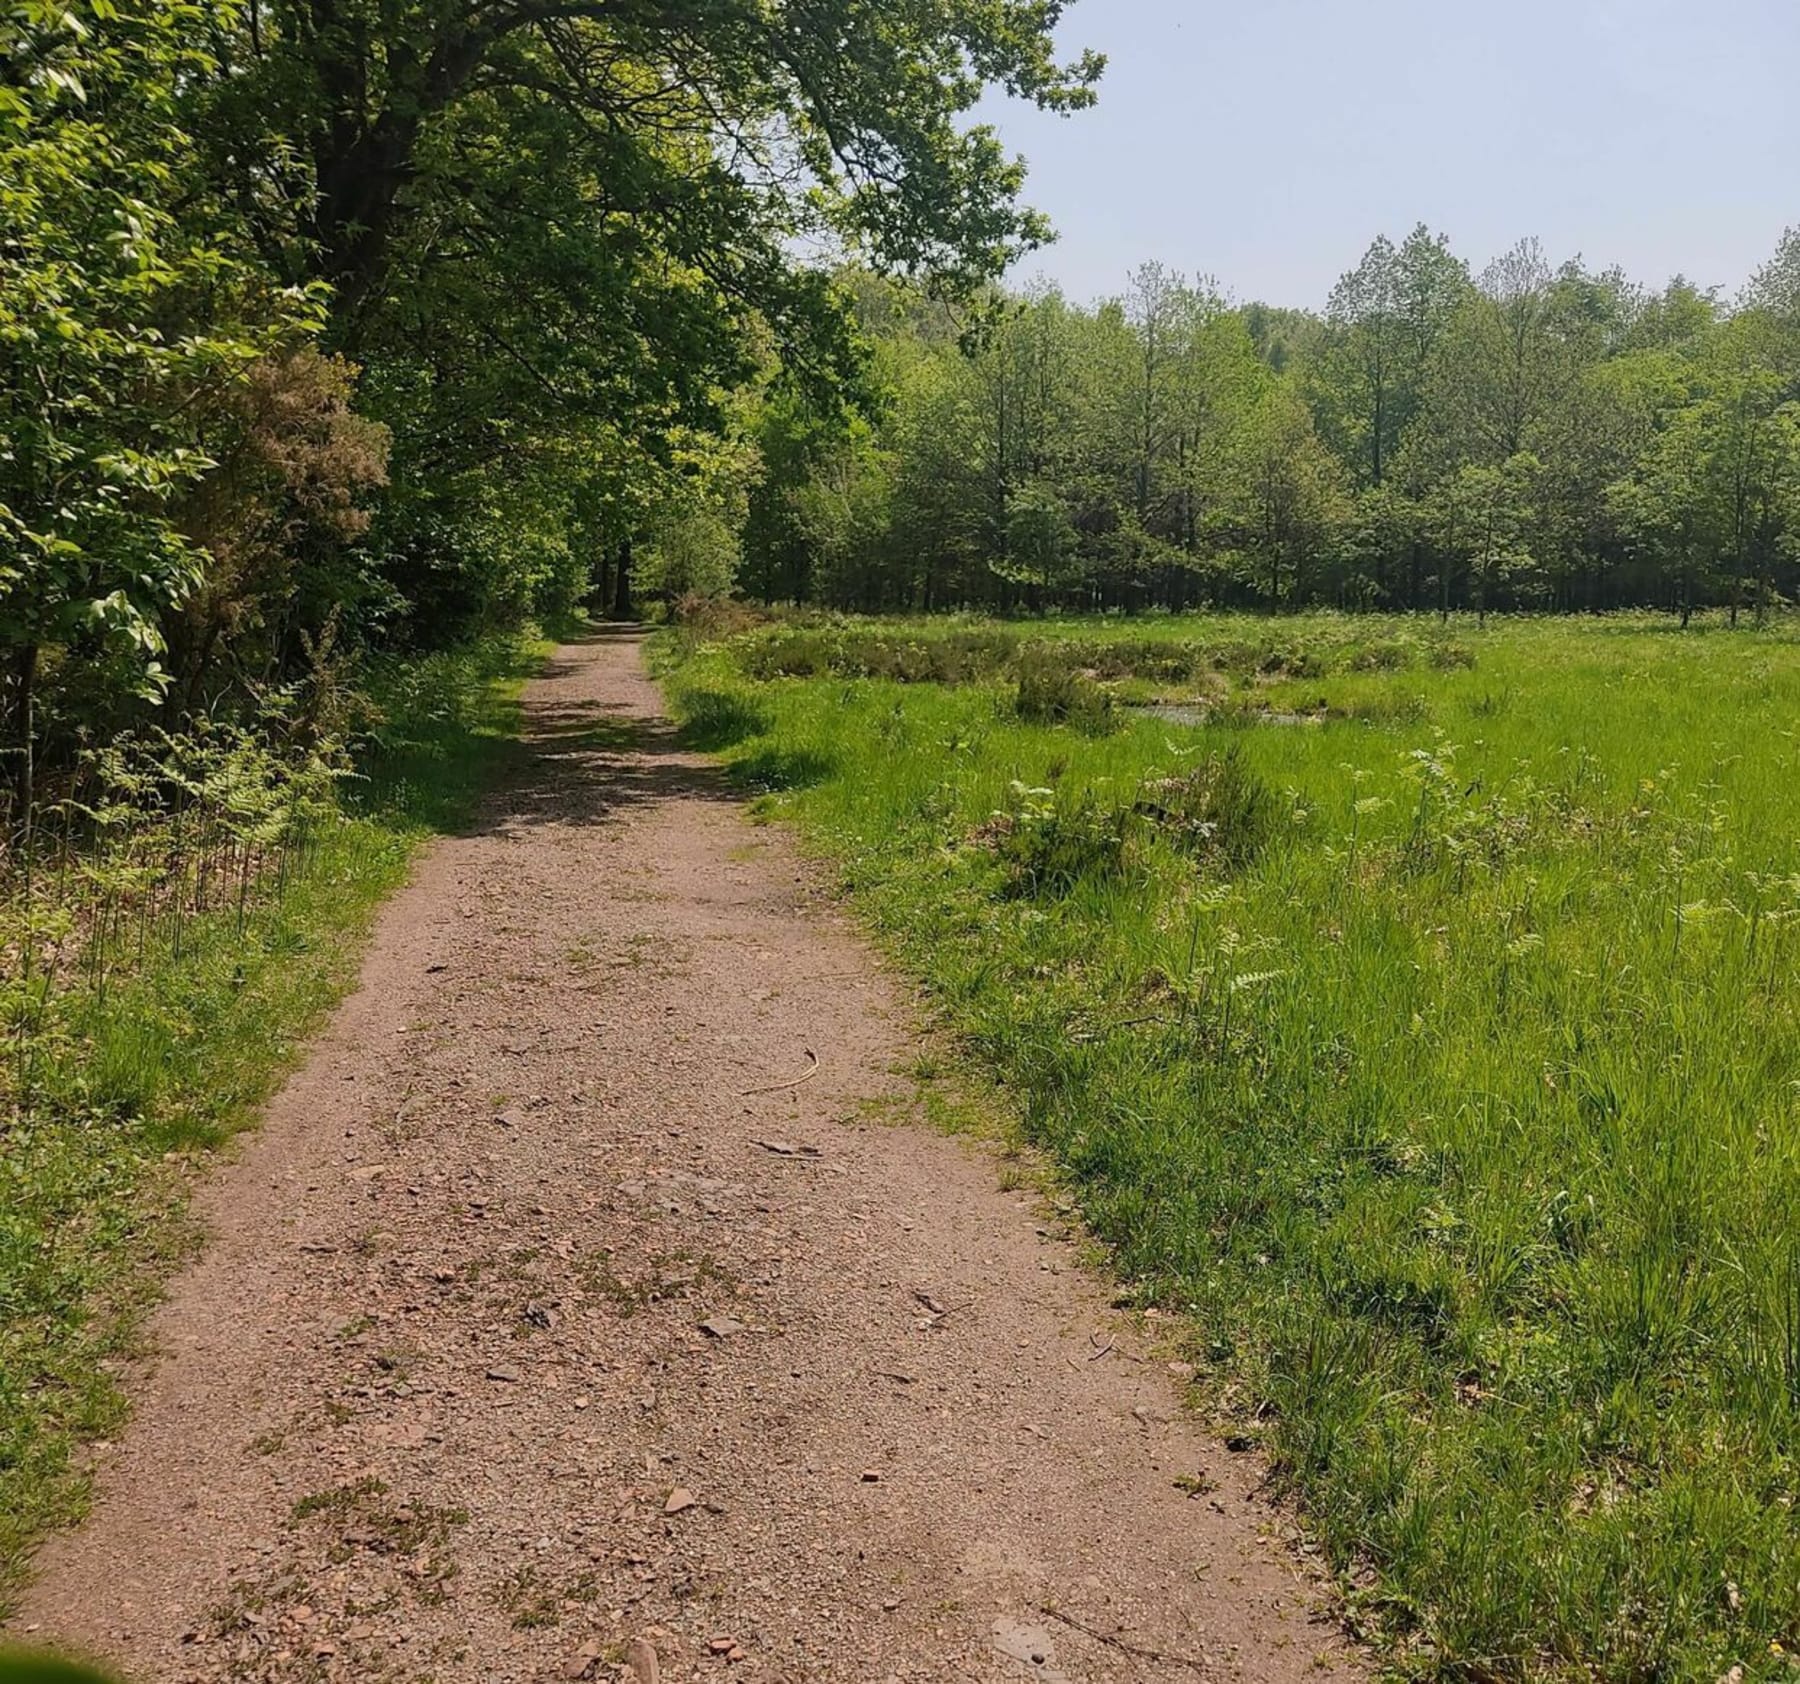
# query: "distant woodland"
{"type": "Point", "coordinates": [1528, 436]}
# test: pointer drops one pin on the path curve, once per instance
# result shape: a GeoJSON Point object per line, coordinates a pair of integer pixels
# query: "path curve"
{"type": "Point", "coordinates": [542, 1328]}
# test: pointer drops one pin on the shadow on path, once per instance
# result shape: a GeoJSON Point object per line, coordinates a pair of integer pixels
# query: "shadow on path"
{"type": "Point", "coordinates": [586, 760]}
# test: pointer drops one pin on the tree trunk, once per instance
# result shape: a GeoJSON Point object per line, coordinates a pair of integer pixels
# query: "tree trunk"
{"type": "Point", "coordinates": [622, 585]}
{"type": "Point", "coordinates": [24, 705]}
{"type": "Point", "coordinates": [599, 591]}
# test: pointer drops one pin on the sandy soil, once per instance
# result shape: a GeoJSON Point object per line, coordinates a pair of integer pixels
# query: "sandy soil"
{"type": "Point", "coordinates": [547, 1331]}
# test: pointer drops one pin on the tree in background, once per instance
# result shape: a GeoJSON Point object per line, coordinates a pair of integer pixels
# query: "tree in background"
{"type": "Point", "coordinates": [1667, 507]}
{"type": "Point", "coordinates": [690, 544]}
{"type": "Point", "coordinates": [329, 317]}
{"type": "Point", "coordinates": [539, 218]}
{"type": "Point", "coordinates": [1432, 441]}
{"type": "Point", "coordinates": [1287, 497]}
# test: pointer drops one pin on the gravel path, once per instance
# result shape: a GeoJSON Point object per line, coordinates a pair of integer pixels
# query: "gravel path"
{"type": "Point", "coordinates": [548, 1331]}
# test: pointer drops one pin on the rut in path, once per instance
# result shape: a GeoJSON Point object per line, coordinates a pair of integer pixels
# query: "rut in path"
{"type": "Point", "coordinates": [545, 1315]}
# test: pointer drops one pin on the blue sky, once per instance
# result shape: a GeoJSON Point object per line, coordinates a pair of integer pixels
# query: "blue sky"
{"type": "Point", "coordinates": [1267, 141]}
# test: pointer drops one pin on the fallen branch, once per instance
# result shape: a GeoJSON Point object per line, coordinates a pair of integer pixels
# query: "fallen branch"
{"type": "Point", "coordinates": [787, 1087]}
{"type": "Point", "coordinates": [1125, 1646]}
{"type": "Point", "coordinates": [936, 1310]}
{"type": "Point", "coordinates": [1086, 1037]}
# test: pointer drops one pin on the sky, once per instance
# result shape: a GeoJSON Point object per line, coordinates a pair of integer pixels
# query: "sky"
{"type": "Point", "coordinates": [1266, 142]}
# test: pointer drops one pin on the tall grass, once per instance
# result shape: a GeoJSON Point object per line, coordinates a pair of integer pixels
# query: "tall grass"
{"type": "Point", "coordinates": [1424, 1026]}
{"type": "Point", "coordinates": [167, 952]}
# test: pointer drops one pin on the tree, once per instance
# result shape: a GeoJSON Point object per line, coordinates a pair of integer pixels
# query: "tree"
{"type": "Point", "coordinates": [1492, 516]}
{"type": "Point", "coordinates": [1499, 365]}
{"type": "Point", "coordinates": [940, 508]}
{"type": "Point", "coordinates": [1219, 378]}
{"type": "Point", "coordinates": [545, 219]}
{"type": "Point", "coordinates": [1748, 465]}
{"type": "Point", "coordinates": [1586, 442]}
{"type": "Point", "coordinates": [1289, 497]}
{"type": "Point", "coordinates": [1430, 284]}
{"type": "Point", "coordinates": [1025, 371]}
{"type": "Point", "coordinates": [1041, 549]}
{"type": "Point", "coordinates": [121, 329]}
{"type": "Point", "coordinates": [1668, 508]}
{"type": "Point", "coordinates": [1388, 318]}
{"type": "Point", "coordinates": [1368, 359]}
{"type": "Point", "coordinates": [844, 512]}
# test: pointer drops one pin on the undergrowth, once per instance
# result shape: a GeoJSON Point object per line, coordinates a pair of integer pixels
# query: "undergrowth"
{"type": "Point", "coordinates": [191, 915]}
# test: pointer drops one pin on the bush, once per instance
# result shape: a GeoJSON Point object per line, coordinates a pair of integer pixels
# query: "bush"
{"type": "Point", "coordinates": [797, 654]}
{"type": "Point", "coordinates": [1382, 657]}
{"type": "Point", "coordinates": [1049, 845]}
{"type": "Point", "coordinates": [1052, 693]}
{"type": "Point", "coordinates": [1114, 658]}
{"type": "Point", "coordinates": [1221, 809]}
{"type": "Point", "coordinates": [710, 619]}
{"type": "Point", "coordinates": [956, 658]}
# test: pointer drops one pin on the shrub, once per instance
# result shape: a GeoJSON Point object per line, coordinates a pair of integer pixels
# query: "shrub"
{"type": "Point", "coordinates": [1049, 845]}
{"type": "Point", "coordinates": [1390, 656]}
{"type": "Point", "coordinates": [1221, 809]}
{"type": "Point", "coordinates": [1052, 693]}
{"type": "Point", "coordinates": [954, 658]}
{"type": "Point", "coordinates": [1452, 657]}
{"type": "Point", "coordinates": [796, 654]}
{"type": "Point", "coordinates": [710, 619]}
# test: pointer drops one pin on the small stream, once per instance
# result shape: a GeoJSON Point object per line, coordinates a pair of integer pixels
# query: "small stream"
{"type": "Point", "coordinates": [1198, 713]}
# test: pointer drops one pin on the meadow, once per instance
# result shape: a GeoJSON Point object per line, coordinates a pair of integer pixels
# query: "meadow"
{"type": "Point", "coordinates": [1412, 1011]}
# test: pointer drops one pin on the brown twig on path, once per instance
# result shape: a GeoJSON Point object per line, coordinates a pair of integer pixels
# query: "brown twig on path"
{"type": "Point", "coordinates": [1124, 1645]}
{"type": "Point", "coordinates": [1094, 1355]}
{"type": "Point", "coordinates": [785, 1087]}
{"type": "Point", "coordinates": [936, 1310]}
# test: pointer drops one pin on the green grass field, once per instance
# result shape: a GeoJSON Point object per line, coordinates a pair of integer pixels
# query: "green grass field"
{"type": "Point", "coordinates": [141, 1081]}
{"type": "Point", "coordinates": [1415, 1010]}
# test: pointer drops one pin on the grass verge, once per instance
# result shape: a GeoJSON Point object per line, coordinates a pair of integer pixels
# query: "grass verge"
{"type": "Point", "coordinates": [145, 1081]}
{"type": "Point", "coordinates": [1415, 1017]}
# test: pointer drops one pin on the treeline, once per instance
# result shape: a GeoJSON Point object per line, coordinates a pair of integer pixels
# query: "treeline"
{"type": "Point", "coordinates": [1529, 437]}
{"type": "Point", "coordinates": [336, 323]}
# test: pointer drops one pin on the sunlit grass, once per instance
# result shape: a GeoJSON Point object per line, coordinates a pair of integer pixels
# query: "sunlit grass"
{"type": "Point", "coordinates": [1460, 1114]}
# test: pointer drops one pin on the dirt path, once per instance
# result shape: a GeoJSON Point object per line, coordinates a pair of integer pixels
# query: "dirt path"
{"type": "Point", "coordinates": [540, 1325]}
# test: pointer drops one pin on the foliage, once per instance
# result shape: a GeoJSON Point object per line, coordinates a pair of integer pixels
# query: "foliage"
{"type": "Point", "coordinates": [1521, 438]}
{"type": "Point", "coordinates": [382, 323]}
{"type": "Point", "coordinates": [19, 1666]}
{"type": "Point", "coordinates": [1049, 846]}
{"type": "Point", "coordinates": [1052, 692]}
{"type": "Point", "coordinates": [121, 326]}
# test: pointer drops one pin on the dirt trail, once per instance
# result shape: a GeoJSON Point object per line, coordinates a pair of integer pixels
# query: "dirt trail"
{"type": "Point", "coordinates": [540, 1324]}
